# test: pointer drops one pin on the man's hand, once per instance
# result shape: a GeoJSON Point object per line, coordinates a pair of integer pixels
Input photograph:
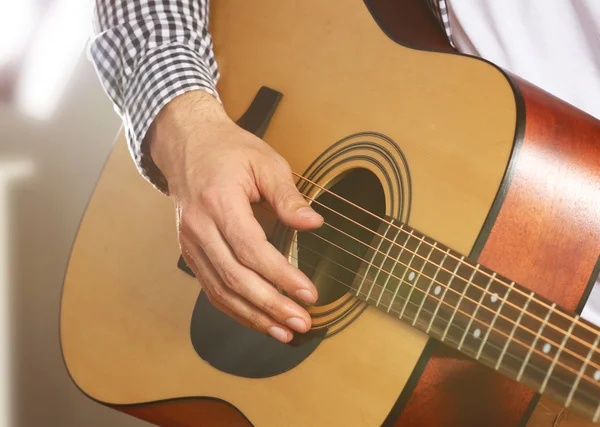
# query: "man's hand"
{"type": "Point", "coordinates": [215, 170]}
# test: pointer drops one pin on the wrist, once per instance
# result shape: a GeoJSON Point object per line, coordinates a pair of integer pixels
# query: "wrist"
{"type": "Point", "coordinates": [182, 119]}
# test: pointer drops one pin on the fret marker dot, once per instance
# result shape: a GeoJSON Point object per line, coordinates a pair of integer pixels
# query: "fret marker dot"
{"type": "Point", "coordinates": [411, 275]}
{"type": "Point", "coordinates": [477, 333]}
{"type": "Point", "coordinates": [494, 298]}
{"type": "Point", "coordinates": [437, 290]}
{"type": "Point", "coordinates": [546, 348]}
{"type": "Point", "coordinates": [597, 375]}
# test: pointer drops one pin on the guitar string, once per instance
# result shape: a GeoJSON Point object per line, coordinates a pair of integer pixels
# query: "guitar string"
{"type": "Point", "coordinates": [397, 262]}
{"type": "Point", "coordinates": [507, 285]}
{"type": "Point", "coordinates": [572, 370]}
{"type": "Point", "coordinates": [463, 330]}
{"type": "Point", "coordinates": [467, 283]}
{"type": "Point", "coordinates": [576, 356]}
{"type": "Point", "coordinates": [493, 279]}
{"type": "Point", "coordinates": [422, 239]}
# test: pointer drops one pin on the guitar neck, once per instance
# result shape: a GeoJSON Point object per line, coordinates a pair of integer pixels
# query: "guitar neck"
{"type": "Point", "coordinates": [483, 315]}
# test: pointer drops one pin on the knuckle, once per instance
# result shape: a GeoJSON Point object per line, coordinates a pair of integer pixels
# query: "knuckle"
{"type": "Point", "coordinates": [277, 274]}
{"type": "Point", "coordinates": [187, 224]}
{"type": "Point", "coordinates": [206, 244]}
{"type": "Point", "coordinates": [190, 224]}
{"type": "Point", "coordinates": [231, 277]}
{"type": "Point", "coordinates": [287, 197]}
{"type": "Point", "coordinates": [270, 306]}
{"type": "Point", "coordinates": [217, 293]}
{"type": "Point", "coordinates": [246, 254]}
{"type": "Point", "coordinates": [255, 320]}
{"type": "Point", "coordinates": [210, 196]}
{"type": "Point", "coordinates": [282, 164]}
{"type": "Point", "coordinates": [192, 231]}
{"type": "Point", "coordinates": [231, 228]}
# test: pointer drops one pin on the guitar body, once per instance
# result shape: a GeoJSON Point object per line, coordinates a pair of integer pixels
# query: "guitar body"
{"type": "Point", "coordinates": [479, 160]}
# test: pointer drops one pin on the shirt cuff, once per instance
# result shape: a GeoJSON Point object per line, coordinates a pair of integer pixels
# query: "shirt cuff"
{"type": "Point", "coordinates": [165, 73]}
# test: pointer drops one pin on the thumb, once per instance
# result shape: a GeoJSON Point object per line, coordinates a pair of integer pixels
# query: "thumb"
{"type": "Point", "coordinates": [291, 207]}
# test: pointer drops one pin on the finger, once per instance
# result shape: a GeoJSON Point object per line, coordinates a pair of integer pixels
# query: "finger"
{"type": "Point", "coordinates": [265, 326]}
{"type": "Point", "coordinates": [248, 284]}
{"type": "Point", "coordinates": [277, 186]}
{"type": "Point", "coordinates": [251, 247]}
{"type": "Point", "coordinates": [236, 307]}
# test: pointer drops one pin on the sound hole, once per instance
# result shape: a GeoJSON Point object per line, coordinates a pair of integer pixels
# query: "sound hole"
{"type": "Point", "coordinates": [332, 269]}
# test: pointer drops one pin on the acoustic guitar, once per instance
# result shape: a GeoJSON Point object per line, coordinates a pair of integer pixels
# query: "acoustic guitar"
{"type": "Point", "coordinates": [461, 241]}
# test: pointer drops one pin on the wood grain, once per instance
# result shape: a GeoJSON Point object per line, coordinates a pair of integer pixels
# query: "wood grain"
{"type": "Point", "coordinates": [554, 203]}
{"type": "Point", "coordinates": [546, 237]}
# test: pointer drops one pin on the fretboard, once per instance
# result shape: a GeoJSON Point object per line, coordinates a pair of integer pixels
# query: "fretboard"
{"type": "Point", "coordinates": [483, 315]}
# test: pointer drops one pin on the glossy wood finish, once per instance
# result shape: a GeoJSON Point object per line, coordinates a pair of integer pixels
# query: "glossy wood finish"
{"type": "Point", "coordinates": [558, 210]}
{"type": "Point", "coordinates": [553, 204]}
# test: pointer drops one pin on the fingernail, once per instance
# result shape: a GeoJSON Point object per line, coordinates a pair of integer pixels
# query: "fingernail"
{"type": "Point", "coordinates": [278, 333]}
{"type": "Point", "coordinates": [305, 296]}
{"type": "Point", "coordinates": [307, 212]}
{"type": "Point", "coordinates": [296, 324]}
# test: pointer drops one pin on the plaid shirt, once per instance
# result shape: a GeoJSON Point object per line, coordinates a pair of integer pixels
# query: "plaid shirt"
{"type": "Point", "coordinates": [147, 52]}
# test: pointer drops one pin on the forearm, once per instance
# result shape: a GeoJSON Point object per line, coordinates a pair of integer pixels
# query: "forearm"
{"type": "Point", "coordinates": [146, 54]}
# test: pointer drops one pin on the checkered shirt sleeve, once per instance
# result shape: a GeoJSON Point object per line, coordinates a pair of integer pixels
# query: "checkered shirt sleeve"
{"type": "Point", "coordinates": [440, 11]}
{"type": "Point", "coordinates": [147, 52]}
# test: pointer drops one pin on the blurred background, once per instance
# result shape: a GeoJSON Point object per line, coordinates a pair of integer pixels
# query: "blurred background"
{"type": "Point", "coordinates": [56, 130]}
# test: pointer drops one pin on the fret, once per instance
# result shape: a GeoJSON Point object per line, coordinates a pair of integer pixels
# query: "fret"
{"type": "Point", "coordinates": [547, 360]}
{"type": "Point", "coordinates": [437, 308]}
{"type": "Point", "coordinates": [430, 286]}
{"type": "Point", "coordinates": [406, 270]}
{"type": "Point", "coordinates": [581, 371]}
{"type": "Point", "coordinates": [393, 299]}
{"type": "Point", "coordinates": [537, 337]}
{"type": "Point", "coordinates": [375, 252]}
{"type": "Point", "coordinates": [596, 414]}
{"type": "Point", "coordinates": [558, 352]}
{"type": "Point", "coordinates": [491, 327]}
{"type": "Point", "coordinates": [483, 294]}
{"type": "Point", "coordinates": [585, 369]}
{"type": "Point", "coordinates": [462, 295]}
{"type": "Point", "coordinates": [384, 259]}
{"type": "Point", "coordinates": [513, 330]}
{"type": "Point", "coordinates": [417, 276]}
